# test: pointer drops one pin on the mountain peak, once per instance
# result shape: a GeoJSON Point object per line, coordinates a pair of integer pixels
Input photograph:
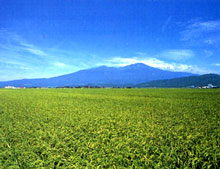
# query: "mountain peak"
{"type": "Point", "coordinates": [103, 66]}
{"type": "Point", "coordinates": [138, 65]}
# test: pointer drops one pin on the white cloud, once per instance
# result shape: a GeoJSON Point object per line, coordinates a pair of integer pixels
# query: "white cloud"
{"type": "Point", "coordinates": [154, 62]}
{"type": "Point", "coordinates": [171, 54]}
{"type": "Point", "coordinates": [26, 45]}
{"type": "Point", "coordinates": [216, 64]}
{"type": "Point", "coordinates": [35, 51]}
{"type": "Point", "coordinates": [60, 64]}
{"type": "Point", "coordinates": [177, 54]}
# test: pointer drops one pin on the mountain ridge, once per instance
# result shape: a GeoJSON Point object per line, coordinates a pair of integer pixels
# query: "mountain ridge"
{"type": "Point", "coordinates": [117, 76]}
{"type": "Point", "coordinates": [196, 81]}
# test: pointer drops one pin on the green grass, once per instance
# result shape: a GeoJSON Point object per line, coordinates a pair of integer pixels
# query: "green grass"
{"type": "Point", "coordinates": [109, 128]}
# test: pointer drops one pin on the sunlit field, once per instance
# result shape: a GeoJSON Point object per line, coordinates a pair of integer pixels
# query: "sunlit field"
{"type": "Point", "coordinates": [109, 128]}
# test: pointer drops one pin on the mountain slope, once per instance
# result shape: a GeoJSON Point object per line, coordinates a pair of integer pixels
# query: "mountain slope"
{"type": "Point", "coordinates": [201, 80]}
{"type": "Point", "coordinates": [102, 76]}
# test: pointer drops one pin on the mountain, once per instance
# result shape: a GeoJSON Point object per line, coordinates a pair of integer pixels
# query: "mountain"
{"type": "Point", "coordinates": [202, 80]}
{"type": "Point", "coordinates": [102, 76]}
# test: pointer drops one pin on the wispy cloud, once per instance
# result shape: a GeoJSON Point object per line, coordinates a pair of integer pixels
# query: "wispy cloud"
{"type": "Point", "coordinates": [207, 53]}
{"type": "Point", "coordinates": [177, 54]}
{"type": "Point", "coordinates": [206, 32]}
{"type": "Point", "coordinates": [216, 64]}
{"type": "Point", "coordinates": [166, 23]}
{"type": "Point", "coordinates": [16, 43]}
{"type": "Point", "coordinates": [35, 51]}
{"type": "Point", "coordinates": [197, 28]}
{"type": "Point", "coordinates": [20, 58]}
{"type": "Point", "coordinates": [206, 26]}
{"type": "Point", "coordinates": [26, 45]}
{"type": "Point", "coordinates": [170, 54]}
{"type": "Point", "coordinates": [154, 62]}
{"type": "Point", "coordinates": [59, 64]}
{"type": "Point", "coordinates": [13, 65]}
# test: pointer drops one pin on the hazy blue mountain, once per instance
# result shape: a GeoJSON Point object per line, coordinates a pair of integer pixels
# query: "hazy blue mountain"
{"type": "Point", "coordinates": [202, 80]}
{"type": "Point", "coordinates": [102, 76]}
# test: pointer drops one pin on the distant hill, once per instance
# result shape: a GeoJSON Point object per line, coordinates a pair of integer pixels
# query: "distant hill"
{"type": "Point", "coordinates": [202, 80]}
{"type": "Point", "coordinates": [102, 76]}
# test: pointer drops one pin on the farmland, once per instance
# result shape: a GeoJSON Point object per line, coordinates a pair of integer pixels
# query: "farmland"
{"type": "Point", "coordinates": [109, 128]}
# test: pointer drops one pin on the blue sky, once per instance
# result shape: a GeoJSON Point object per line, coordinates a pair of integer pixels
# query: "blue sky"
{"type": "Point", "coordinates": [45, 38]}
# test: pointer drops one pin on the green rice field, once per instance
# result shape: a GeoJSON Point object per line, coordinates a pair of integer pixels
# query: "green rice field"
{"type": "Point", "coordinates": [109, 128]}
